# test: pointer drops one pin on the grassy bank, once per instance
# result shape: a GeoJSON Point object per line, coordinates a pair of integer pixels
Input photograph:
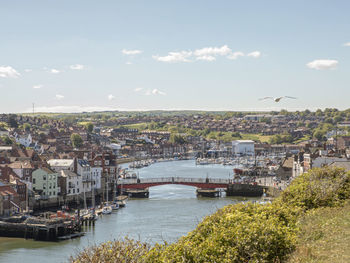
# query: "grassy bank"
{"type": "Point", "coordinates": [324, 236]}
{"type": "Point", "coordinates": [311, 212]}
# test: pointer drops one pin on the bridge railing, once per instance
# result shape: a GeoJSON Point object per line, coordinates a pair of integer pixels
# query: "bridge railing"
{"type": "Point", "coordinates": [174, 180]}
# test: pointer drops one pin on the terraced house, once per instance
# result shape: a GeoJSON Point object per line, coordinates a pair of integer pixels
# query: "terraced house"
{"type": "Point", "coordinates": [45, 183]}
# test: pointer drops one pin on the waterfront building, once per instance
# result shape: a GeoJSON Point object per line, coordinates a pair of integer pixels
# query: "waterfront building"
{"type": "Point", "coordinates": [243, 147]}
{"type": "Point", "coordinates": [45, 183]}
{"type": "Point", "coordinates": [84, 170]}
{"type": "Point", "coordinates": [96, 174]}
{"type": "Point", "coordinates": [9, 200]}
{"type": "Point", "coordinates": [71, 183]}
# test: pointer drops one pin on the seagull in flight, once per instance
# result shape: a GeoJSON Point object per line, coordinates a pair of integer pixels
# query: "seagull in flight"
{"type": "Point", "coordinates": [278, 98]}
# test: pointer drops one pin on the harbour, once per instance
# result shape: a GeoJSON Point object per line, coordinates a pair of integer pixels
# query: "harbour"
{"type": "Point", "coordinates": [169, 212]}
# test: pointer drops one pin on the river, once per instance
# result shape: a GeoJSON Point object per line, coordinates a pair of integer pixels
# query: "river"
{"type": "Point", "coordinates": [170, 212]}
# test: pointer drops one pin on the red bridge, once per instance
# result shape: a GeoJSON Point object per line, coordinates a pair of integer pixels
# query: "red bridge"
{"type": "Point", "coordinates": [143, 183]}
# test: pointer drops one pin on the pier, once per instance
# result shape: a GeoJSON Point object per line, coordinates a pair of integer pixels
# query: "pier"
{"type": "Point", "coordinates": [38, 228]}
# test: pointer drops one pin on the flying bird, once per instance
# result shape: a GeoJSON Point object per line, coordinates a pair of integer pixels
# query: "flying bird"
{"type": "Point", "coordinates": [278, 98]}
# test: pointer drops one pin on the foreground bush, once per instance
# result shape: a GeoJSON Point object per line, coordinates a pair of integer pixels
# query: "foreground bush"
{"type": "Point", "coordinates": [320, 187]}
{"type": "Point", "coordinates": [126, 251]}
{"type": "Point", "coordinates": [235, 233]}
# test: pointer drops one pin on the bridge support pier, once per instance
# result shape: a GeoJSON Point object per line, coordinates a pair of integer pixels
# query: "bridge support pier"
{"type": "Point", "coordinates": [137, 193]}
{"type": "Point", "coordinates": [208, 192]}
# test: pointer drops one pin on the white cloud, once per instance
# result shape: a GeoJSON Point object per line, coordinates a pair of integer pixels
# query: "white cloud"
{"type": "Point", "coordinates": [128, 63]}
{"type": "Point", "coordinates": [206, 58]}
{"type": "Point", "coordinates": [8, 72]}
{"type": "Point", "coordinates": [131, 52]}
{"type": "Point", "coordinates": [28, 70]}
{"type": "Point", "coordinates": [213, 51]}
{"type": "Point", "coordinates": [206, 54]}
{"type": "Point", "coordinates": [110, 97]}
{"type": "Point", "coordinates": [37, 86]}
{"type": "Point", "coordinates": [347, 44]}
{"type": "Point", "coordinates": [158, 92]}
{"type": "Point", "coordinates": [322, 64]}
{"type": "Point", "coordinates": [154, 92]}
{"type": "Point", "coordinates": [235, 55]}
{"type": "Point", "coordinates": [138, 89]}
{"type": "Point", "coordinates": [77, 67]}
{"type": "Point", "coordinates": [59, 97]}
{"type": "Point", "coordinates": [181, 56]}
{"type": "Point", "coordinates": [54, 71]}
{"type": "Point", "coordinates": [254, 54]}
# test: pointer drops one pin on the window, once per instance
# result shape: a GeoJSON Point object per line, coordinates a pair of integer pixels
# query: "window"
{"type": "Point", "coordinates": [73, 190]}
{"type": "Point", "coordinates": [54, 193]}
{"type": "Point", "coordinates": [44, 186]}
{"type": "Point", "coordinates": [78, 190]}
{"type": "Point", "coordinates": [50, 185]}
{"type": "Point", "coordinates": [49, 193]}
{"type": "Point", "coordinates": [44, 177]}
{"type": "Point", "coordinates": [27, 172]}
{"type": "Point", "coordinates": [69, 191]}
{"type": "Point", "coordinates": [33, 180]}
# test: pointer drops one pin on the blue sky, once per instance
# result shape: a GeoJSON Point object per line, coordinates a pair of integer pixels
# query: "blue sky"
{"type": "Point", "coordinates": [210, 55]}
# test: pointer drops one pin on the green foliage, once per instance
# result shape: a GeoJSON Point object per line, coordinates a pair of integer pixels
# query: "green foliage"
{"type": "Point", "coordinates": [126, 251]}
{"type": "Point", "coordinates": [281, 138]}
{"type": "Point", "coordinates": [177, 138]}
{"type": "Point", "coordinates": [26, 127]}
{"type": "Point", "coordinates": [235, 233]}
{"type": "Point", "coordinates": [46, 126]}
{"type": "Point", "coordinates": [76, 140]}
{"type": "Point", "coordinates": [6, 140]}
{"type": "Point", "coordinates": [89, 127]}
{"type": "Point", "coordinates": [320, 187]}
{"type": "Point", "coordinates": [12, 122]}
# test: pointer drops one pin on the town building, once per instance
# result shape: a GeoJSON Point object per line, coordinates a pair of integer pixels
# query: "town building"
{"type": "Point", "coordinates": [45, 183]}
{"type": "Point", "coordinates": [243, 147]}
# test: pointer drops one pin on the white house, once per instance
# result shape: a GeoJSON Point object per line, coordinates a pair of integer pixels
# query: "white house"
{"type": "Point", "coordinates": [96, 173]}
{"type": "Point", "coordinates": [74, 182]}
{"type": "Point", "coordinates": [61, 164]}
{"type": "Point", "coordinates": [84, 170]}
{"type": "Point", "coordinates": [25, 140]}
{"type": "Point", "coordinates": [243, 147]}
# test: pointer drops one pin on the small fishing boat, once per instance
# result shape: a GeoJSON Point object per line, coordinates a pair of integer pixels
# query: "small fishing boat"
{"type": "Point", "coordinates": [106, 210]}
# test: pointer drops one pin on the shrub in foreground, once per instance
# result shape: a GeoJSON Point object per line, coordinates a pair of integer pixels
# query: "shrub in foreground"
{"type": "Point", "coordinates": [118, 251]}
{"type": "Point", "coordinates": [320, 187]}
{"type": "Point", "coordinates": [235, 233]}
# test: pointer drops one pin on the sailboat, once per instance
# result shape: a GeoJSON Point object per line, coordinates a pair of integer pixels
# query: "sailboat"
{"type": "Point", "coordinates": [107, 209]}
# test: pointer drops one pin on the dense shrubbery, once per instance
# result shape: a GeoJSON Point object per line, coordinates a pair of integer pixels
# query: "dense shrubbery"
{"type": "Point", "coordinates": [320, 187]}
{"type": "Point", "coordinates": [235, 233]}
{"type": "Point", "coordinates": [126, 251]}
{"type": "Point", "coordinates": [242, 232]}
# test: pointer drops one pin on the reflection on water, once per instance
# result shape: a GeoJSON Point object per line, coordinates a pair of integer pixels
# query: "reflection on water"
{"type": "Point", "coordinates": [170, 212]}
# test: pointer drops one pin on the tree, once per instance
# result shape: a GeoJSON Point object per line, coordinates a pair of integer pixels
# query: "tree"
{"type": "Point", "coordinates": [177, 138]}
{"type": "Point", "coordinates": [89, 127]}
{"type": "Point", "coordinates": [12, 122]}
{"type": "Point", "coordinates": [76, 140]}
{"type": "Point", "coordinates": [46, 126]}
{"type": "Point", "coordinates": [26, 127]}
{"type": "Point", "coordinates": [6, 140]}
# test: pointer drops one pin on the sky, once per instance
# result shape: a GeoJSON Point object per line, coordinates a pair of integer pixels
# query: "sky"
{"type": "Point", "coordinates": [81, 55]}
